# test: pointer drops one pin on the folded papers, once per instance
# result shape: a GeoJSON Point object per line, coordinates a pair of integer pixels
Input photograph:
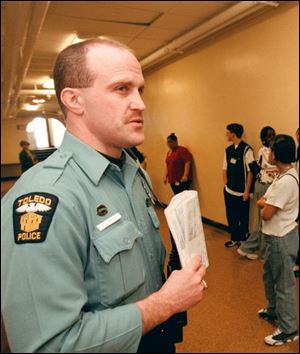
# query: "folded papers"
{"type": "Point", "coordinates": [184, 220]}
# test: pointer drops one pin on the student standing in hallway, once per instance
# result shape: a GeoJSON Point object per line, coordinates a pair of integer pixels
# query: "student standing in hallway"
{"type": "Point", "coordinates": [179, 165]}
{"type": "Point", "coordinates": [266, 176]}
{"type": "Point", "coordinates": [237, 179]}
{"type": "Point", "coordinates": [279, 213]}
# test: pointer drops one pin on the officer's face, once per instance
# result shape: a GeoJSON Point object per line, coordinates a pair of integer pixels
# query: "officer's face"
{"type": "Point", "coordinates": [113, 107]}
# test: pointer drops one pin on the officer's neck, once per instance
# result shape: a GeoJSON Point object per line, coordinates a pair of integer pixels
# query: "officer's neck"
{"type": "Point", "coordinates": [116, 161]}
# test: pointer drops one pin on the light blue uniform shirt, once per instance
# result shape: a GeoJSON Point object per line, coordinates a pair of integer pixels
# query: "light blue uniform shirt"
{"type": "Point", "coordinates": [66, 285]}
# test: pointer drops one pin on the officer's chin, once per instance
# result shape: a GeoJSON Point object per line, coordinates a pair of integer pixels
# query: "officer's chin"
{"type": "Point", "coordinates": [136, 140]}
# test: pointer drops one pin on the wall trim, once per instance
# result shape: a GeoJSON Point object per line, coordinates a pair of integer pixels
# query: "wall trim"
{"type": "Point", "coordinates": [215, 224]}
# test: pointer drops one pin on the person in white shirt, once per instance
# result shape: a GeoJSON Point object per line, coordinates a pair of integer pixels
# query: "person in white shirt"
{"type": "Point", "coordinates": [264, 179]}
{"type": "Point", "coordinates": [279, 213]}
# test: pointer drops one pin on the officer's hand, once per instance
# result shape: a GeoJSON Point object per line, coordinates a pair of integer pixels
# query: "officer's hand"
{"type": "Point", "coordinates": [184, 288]}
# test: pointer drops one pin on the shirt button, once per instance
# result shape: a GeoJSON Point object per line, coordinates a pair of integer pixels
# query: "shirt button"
{"type": "Point", "coordinates": [126, 241]}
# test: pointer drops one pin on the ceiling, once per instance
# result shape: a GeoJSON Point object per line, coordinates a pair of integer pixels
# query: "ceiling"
{"type": "Point", "coordinates": [34, 32]}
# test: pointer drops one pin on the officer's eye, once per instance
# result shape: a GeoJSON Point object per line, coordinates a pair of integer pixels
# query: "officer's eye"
{"type": "Point", "coordinates": [122, 89]}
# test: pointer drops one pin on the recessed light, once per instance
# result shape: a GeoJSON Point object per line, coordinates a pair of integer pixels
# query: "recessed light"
{"type": "Point", "coordinates": [49, 84]}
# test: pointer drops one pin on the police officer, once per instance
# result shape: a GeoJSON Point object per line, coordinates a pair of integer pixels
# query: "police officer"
{"type": "Point", "coordinates": [82, 259]}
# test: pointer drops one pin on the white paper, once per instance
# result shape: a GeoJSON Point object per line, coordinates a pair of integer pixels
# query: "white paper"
{"type": "Point", "coordinates": [184, 219]}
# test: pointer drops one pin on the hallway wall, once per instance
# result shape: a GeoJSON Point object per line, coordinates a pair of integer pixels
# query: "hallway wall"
{"type": "Point", "coordinates": [249, 76]}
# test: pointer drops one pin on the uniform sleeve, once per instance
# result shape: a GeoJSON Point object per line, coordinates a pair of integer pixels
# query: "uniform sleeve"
{"type": "Point", "coordinates": [44, 292]}
{"type": "Point", "coordinates": [279, 194]}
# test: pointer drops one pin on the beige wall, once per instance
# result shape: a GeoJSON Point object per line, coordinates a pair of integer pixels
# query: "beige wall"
{"type": "Point", "coordinates": [249, 75]}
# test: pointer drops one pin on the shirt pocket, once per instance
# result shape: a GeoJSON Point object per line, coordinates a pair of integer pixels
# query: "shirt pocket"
{"type": "Point", "coordinates": [120, 265]}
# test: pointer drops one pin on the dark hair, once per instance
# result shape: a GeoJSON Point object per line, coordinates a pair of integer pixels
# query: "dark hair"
{"type": "Point", "coordinates": [236, 128]}
{"type": "Point", "coordinates": [24, 142]}
{"type": "Point", "coordinates": [264, 132]}
{"type": "Point", "coordinates": [172, 137]}
{"type": "Point", "coordinates": [284, 148]}
{"type": "Point", "coordinates": [71, 69]}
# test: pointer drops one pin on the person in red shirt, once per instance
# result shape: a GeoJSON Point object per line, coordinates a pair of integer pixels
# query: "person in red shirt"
{"type": "Point", "coordinates": [179, 166]}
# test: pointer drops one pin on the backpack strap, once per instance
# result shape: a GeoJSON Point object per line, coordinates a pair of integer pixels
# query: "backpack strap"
{"type": "Point", "coordinates": [289, 174]}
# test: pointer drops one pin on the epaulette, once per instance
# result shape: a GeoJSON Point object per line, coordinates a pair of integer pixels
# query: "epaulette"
{"type": "Point", "coordinates": [58, 160]}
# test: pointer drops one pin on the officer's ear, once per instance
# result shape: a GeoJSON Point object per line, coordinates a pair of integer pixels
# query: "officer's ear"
{"type": "Point", "coordinates": [72, 100]}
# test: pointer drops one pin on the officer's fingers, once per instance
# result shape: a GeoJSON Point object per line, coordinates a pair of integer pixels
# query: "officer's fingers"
{"type": "Point", "coordinates": [201, 271]}
{"type": "Point", "coordinates": [194, 264]}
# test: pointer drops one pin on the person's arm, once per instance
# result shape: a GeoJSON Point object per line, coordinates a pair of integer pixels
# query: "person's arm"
{"type": "Point", "coordinates": [224, 172]}
{"type": "Point", "coordinates": [246, 193]}
{"type": "Point", "coordinates": [187, 158]}
{"type": "Point", "coordinates": [166, 176]}
{"type": "Point", "coordinates": [186, 173]}
{"type": "Point", "coordinates": [268, 212]}
{"type": "Point", "coordinates": [225, 180]}
{"type": "Point", "coordinates": [249, 157]}
{"type": "Point", "coordinates": [166, 173]}
{"type": "Point", "coordinates": [261, 202]}
{"type": "Point", "coordinates": [183, 290]}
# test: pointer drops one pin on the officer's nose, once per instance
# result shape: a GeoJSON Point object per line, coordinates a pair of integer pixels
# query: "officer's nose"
{"type": "Point", "coordinates": [137, 102]}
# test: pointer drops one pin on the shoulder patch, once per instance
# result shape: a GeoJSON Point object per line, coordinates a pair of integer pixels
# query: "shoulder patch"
{"type": "Point", "coordinates": [32, 215]}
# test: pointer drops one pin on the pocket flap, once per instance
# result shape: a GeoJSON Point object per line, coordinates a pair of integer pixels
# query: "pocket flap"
{"type": "Point", "coordinates": [115, 239]}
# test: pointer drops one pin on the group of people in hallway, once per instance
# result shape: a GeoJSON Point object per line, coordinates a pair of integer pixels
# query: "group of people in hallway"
{"type": "Point", "coordinates": [276, 235]}
{"type": "Point", "coordinates": [275, 181]}
{"type": "Point", "coordinates": [82, 258]}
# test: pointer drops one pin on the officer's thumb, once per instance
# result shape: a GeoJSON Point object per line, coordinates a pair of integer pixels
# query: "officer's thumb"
{"type": "Point", "coordinates": [195, 263]}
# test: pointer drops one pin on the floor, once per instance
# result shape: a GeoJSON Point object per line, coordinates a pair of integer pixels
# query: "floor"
{"type": "Point", "coordinates": [226, 319]}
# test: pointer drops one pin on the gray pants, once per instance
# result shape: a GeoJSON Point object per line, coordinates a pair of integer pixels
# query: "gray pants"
{"type": "Point", "coordinates": [279, 279]}
{"type": "Point", "coordinates": [256, 242]}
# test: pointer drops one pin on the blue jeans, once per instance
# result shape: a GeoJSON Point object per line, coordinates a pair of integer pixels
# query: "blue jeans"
{"type": "Point", "coordinates": [256, 242]}
{"type": "Point", "coordinates": [279, 279]}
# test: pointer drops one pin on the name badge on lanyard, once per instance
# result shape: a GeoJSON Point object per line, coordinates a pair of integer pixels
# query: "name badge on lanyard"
{"type": "Point", "coordinates": [233, 161]}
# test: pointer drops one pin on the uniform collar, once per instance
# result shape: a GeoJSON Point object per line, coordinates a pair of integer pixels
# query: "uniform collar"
{"type": "Point", "coordinates": [89, 160]}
